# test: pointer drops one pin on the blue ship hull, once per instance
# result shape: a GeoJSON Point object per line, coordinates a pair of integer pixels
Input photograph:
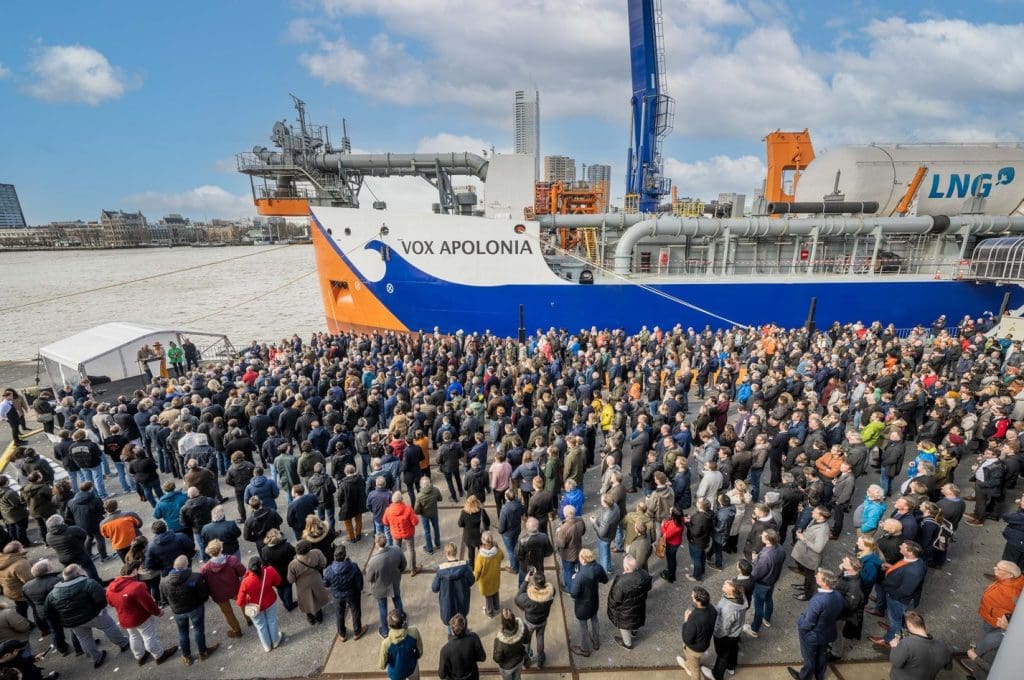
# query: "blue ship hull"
{"type": "Point", "coordinates": [421, 301]}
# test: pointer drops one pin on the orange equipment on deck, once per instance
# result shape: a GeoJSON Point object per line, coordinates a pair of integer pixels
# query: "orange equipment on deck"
{"type": "Point", "coordinates": [789, 153]}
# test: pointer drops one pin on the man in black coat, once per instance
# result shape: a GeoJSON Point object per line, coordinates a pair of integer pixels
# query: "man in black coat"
{"type": "Point", "coordinates": [186, 593]}
{"type": "Point", "coordinates": [87, 510]}
{"type": "Point", "coordinates": [533, 548]}
{"type": "Point", "coordinates": [69, 544]}
{"type": "Point", "coordinates": [352, 502]}
{"type": "Point", "coordinates": [698, 631]}
{"type": "Point", "coordinates": [448, 461]}
{"type": "Point", "coordinates": [462, 654]}
{"type": "Point", "coordinates": [195, 514]}
{"type": "Point", "coordinates": [988, 487]}
{"type": "Point", "coordinates": [627, 601]}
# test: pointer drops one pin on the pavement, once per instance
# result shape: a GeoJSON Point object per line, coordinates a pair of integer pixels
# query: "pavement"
{"type": "Point", "coordinates": [949, 605]}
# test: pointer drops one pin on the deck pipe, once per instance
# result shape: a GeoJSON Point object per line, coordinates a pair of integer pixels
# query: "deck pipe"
{"type": "Point", "coordinates": [824, 225]}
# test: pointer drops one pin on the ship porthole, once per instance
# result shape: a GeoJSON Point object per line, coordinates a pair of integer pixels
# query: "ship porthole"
{"type": "Point", "coordinates": [348, 232]}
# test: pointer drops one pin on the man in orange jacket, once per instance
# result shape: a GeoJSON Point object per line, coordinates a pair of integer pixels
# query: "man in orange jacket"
{"type": "Point", "coordinates": [1001, 597]}
{"type": "Point", "coordinates": [402, 521]}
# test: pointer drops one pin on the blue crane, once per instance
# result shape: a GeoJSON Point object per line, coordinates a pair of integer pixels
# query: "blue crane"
{"type": "Point", "coordinates": [653, 110]}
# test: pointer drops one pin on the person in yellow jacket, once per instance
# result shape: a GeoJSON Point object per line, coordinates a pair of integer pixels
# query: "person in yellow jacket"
{"type": "Point", "coordinates": [487, 572]}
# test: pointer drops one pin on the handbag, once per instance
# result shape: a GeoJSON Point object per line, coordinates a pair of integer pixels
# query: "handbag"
{"type": "Point", "coordinates": [659, 548]}
{"type": "Point", "coordinates": [251, 610]}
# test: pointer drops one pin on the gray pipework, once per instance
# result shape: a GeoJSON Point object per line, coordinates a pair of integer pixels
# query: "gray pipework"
{"type": "Point", "coordinates": [386, 164]}
{"type": "Point", "coordinates": [822, 225]}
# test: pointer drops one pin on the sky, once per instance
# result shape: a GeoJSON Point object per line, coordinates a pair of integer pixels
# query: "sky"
{"type": "Point", "coordinates": [129, 105]}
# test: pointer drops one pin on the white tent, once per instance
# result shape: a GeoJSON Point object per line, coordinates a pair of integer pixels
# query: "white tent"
{"type": "Point", "coordinates": [110, 350]}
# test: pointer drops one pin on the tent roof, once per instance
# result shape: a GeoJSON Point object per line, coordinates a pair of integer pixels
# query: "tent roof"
{"type": "Point", "coordinates": [83, 347]}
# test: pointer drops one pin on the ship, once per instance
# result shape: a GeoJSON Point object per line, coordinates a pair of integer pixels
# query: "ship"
{"type": "Point", "coordinates": [902, 233]}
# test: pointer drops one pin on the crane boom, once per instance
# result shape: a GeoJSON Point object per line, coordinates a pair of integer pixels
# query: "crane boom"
{"type": "Point", "coordinates": [652, 108]}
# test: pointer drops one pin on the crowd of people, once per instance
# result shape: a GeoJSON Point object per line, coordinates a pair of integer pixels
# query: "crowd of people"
{"type": "Point", "coordinates": [756, 448]}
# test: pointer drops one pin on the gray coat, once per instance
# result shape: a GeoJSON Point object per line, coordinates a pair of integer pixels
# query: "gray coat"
{"type": "Point", "coordinates": [730, 617]}
{"type": "Point", "coordinates": [384, 571]}
{"type": "Point", "coordinates": [842, 492]}
{"type": "Point", "coordinates": [807, 551]}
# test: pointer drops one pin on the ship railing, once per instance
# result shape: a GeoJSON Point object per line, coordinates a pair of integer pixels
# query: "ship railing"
{"type": "Point", "coordinates": [939, 268]}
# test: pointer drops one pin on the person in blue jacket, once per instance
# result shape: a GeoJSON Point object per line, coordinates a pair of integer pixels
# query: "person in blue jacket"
{"type": "Point", "coordinates": [816, 627]}
{"type": "Point", "coordinates": [168, 508]}
{"type": "Point", "coordinates": [453, 583]}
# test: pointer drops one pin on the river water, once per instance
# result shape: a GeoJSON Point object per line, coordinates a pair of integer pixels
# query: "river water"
{"type": "Point", "coordinates": [224, 290]}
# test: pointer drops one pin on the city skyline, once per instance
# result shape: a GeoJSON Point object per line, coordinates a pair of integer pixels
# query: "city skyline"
{"type": "Point", "coordinates": [99, 115]}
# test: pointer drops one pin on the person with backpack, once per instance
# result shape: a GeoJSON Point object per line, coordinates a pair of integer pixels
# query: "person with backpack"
{"type": "Point", "coordinates": [401, 650]}
{"type": "Point", "coordinates": [933, 535]}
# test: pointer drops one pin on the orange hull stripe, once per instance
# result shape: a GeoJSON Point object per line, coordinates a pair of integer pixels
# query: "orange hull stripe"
{"type": "Point", "coordinates": [353, 306]}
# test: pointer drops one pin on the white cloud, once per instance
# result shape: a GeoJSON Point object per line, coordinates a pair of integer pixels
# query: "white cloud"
{"type": "Point", "coordinates": [4, 72]}
{"type": "Point", "coordinates": [736, 69]}
{"type": "Point", "coordinates": [76, 73]}
{"type": "Point", "coordinates": [576, 52]}
{"type": "Point", "coordinates": [301, 30]}
{"type": "Point", "coordinates": [705, 179]}
{"type": "Point", "coordinates": [228, 166]}
{"type": "Point", "coordinates": [207, 201]}
{"type": "Point", "coordinates": [447, 142]}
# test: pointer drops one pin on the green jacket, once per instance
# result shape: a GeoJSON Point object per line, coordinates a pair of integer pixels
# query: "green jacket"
{"type": "Point", "coordinates": [426, 502]}
{"type": "Point", "coordinates": [12, 508]}
{"type": "Point", "coordinates": [176, 355]}
{"type": "Point", "coordinates": [76, 602]}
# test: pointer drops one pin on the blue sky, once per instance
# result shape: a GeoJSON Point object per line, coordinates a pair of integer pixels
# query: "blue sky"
{"type": "Point", "coordinates": [143, 105]}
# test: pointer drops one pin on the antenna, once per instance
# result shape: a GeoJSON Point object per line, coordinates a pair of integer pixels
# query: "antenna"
{"type": "Point", "coordinates": [346, 143]}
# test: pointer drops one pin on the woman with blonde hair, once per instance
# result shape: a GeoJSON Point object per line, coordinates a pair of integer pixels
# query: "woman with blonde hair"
{"type": "Point", "coordinates": [319, 534]}
{"type": "Point", "coordinates": [740, 498]}
{"type": "Point", "coordinates": [487, 572]}
{"type": "Point", "coordinates": [871, 562]}
{"type": "Point", "coordinates": [473, 520]}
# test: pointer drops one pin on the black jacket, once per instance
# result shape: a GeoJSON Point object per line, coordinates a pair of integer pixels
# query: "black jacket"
{"type": "Point", "coordinates": [165, 548]}
{"type": "Point", "coordinates": [239, 475]}
{"type": "Point", "coordinates": [535, 602]}
{"type": "Point", "coordinates": [351, 496]}
{"type": "Point", "coordinates": [259, 523]}
{"type": "Point", "coordinates": [627, 600]}
{"type": "Point", "coordinates": [184, 590]}
{"type": "Point", "coordinates": [532, 550]}
{"type": "Point", "coordinates": [226, 531]}
{"type": "Point", "coordinates": [460, 658]}
{"type": "Point", "coordinates": [699, 529]}
{"type": "Point", "coordinates": [87, 510]}
{"type": "Point", "coordinates": [69, 544]}
{"type": "Point", "coordinates": [699, 629]}
{"type": "Point", "coordinates": [196, 513]}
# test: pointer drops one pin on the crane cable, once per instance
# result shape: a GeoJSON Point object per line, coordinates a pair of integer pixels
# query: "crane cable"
{"type": "Point", "coordinates": [65, 296]}
{"type": "Point", "coordinates": [644, 286]}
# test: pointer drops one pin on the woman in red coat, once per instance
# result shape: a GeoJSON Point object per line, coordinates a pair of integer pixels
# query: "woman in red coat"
{"type": "Point", "coordinates": [138, 614]}
{"type": "Point", "coordinates": [257, 588]}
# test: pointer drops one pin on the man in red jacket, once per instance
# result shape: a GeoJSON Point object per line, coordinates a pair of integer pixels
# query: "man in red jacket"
{"type": "Point", "coordinates": [138, 614]}
{"type": "Point", "coordinates": [402, 521]}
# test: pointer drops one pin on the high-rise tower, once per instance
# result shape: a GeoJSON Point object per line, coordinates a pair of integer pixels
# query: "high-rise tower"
{"type": "Point", "coordinates": [526, 113]}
